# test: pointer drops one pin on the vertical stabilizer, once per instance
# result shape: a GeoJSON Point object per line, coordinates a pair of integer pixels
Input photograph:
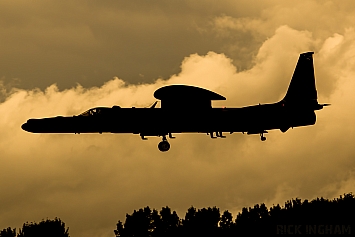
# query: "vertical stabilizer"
{"type": "Point", "coordinates": [302, 89]}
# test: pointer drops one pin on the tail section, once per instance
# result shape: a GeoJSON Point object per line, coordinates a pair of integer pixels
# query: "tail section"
{"type": "Point", "coordinates": [302, 89]}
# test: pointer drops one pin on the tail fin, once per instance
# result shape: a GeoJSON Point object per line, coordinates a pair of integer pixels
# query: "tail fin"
{"type": "Point", "coordinates": [302, 89]}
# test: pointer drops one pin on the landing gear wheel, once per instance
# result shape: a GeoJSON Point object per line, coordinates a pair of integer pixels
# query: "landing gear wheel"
{"type": "Point", "coordinates": [164, 146]}
{"type": "Point", "coordinates": [263, 138]}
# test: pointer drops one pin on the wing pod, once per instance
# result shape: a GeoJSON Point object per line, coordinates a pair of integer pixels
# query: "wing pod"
{"type": "Point", "coordinates": [186, 97]}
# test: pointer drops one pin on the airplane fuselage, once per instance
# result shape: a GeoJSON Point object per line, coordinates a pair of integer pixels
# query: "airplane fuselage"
{"type": "Point", "coordinates": [158, 122]}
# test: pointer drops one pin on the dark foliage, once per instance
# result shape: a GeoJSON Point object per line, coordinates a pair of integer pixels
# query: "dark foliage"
{"type": "Point", "coordinates": [203, 222]}
{"type": "Point", "coordinates": [8, 232]}
{"type": "Point", "coordinates": [320, 215]}
{"type": "Point", "coordinates": [46, 228]}
{"type": "Point", "coordinates": [147, 222]}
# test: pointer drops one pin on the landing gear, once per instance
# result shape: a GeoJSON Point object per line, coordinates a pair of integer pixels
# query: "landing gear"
{"type": "Point", "coordinates": [262, 137]}
{"type": "Point", "coordinates": [211, 135]}
{"type": "Point", "coordinates": [261, 132]}
{"type": "Point", "coordinates": [164, 145]}
{"type": "Point", "coordinates": [218, 134]}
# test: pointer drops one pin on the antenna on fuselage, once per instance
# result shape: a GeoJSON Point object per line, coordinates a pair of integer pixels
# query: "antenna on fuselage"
{"type": "Point", "coordinates": [153, 105]}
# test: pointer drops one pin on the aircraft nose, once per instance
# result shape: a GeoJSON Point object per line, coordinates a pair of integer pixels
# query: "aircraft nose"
{"type": "Point", "coordinates": [26, 126]}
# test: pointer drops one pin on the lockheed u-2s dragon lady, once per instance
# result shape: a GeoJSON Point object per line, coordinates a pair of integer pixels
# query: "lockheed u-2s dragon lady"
{"type": "Point", "coordinates": [187, 109]}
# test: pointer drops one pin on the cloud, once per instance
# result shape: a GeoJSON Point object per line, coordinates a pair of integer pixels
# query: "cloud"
{"type": "Point", "coordinates": [85, 42]}
{"type": "Point", "coordinates": [90, 181]}
{"type": "Point", "coordinates": [244, 35]}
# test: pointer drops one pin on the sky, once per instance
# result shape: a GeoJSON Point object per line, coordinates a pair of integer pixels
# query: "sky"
{"type": "Point", "coordinates": [62, 58]}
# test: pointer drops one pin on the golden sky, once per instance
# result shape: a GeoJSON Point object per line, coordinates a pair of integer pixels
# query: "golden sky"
{"type": "Point", "coordinates": [62, 58]}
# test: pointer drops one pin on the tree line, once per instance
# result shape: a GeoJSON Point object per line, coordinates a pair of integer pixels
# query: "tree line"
{"type": "Point", "coordinates": [318, 217]}
{"type": "Point", "coordinates": [45, 228]}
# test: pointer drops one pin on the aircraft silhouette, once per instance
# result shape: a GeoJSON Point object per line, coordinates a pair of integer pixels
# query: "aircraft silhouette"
{"type": "Point", "coordinates": [187, 109]}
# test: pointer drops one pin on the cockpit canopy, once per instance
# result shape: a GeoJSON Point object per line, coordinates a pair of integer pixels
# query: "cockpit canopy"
{"type": "Point", "coordinates": [93, 112]}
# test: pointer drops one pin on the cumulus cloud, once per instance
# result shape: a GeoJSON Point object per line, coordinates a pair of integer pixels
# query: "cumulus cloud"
{"type": "Point", "coordinates": [91, 181]}
{"type": "Point", "coordinates": [86, 42]}
{"type": "Point", "coordinates": [243, 35]}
